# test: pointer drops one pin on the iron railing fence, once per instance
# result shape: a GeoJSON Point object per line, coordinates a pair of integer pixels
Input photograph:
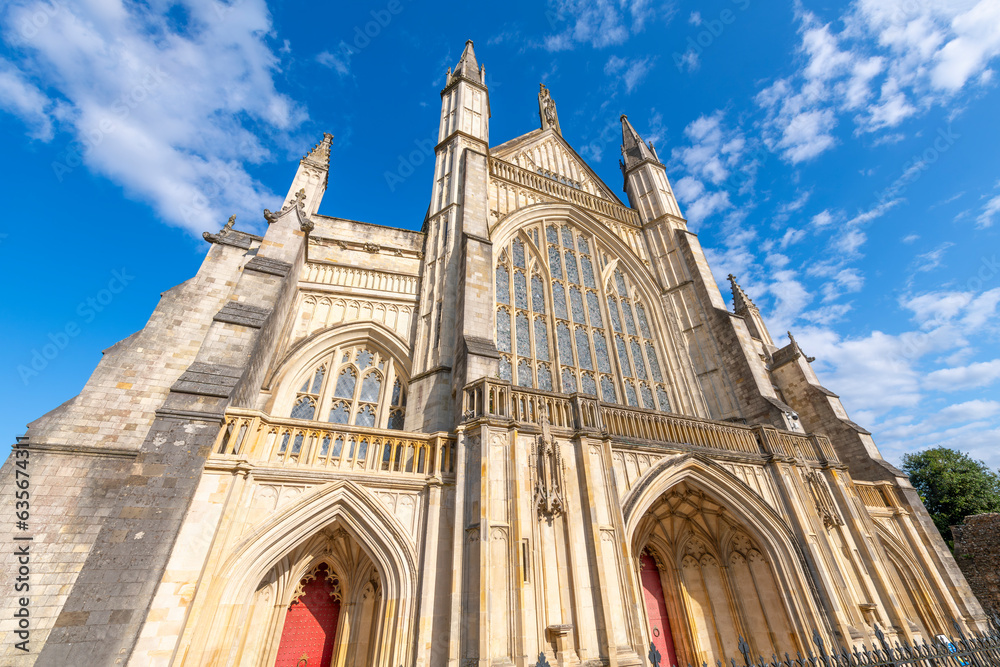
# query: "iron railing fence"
{"type": "Point", "coordinates": [963, 650]}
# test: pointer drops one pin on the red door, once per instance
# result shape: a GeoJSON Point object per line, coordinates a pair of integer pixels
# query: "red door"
{"type": "Point", "coordinates": [311, 624]}
{"type": "Point", "coordinates": [656, 609]}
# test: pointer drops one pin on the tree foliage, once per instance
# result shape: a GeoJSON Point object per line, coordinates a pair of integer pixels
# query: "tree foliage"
{"type": "Point", "coordinates": [952, 486]}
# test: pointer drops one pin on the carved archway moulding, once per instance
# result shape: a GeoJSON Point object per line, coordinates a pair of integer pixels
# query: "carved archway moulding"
{"type": "Point", "coordinates": [750, 512]}
{"type": "Point", "coordinates": [224, 606]}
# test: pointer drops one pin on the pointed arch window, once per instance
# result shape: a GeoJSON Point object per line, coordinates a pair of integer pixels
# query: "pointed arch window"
{"type": "Point", "coordinates": [563, 330]}
{"type": "Point", "coordinates": [355, 384]}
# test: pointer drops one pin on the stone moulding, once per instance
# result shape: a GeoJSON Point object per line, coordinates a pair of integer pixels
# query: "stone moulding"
{"type": "Point", "coordinates": [272, 267]}
{"type": "Point", "coordinates": [242, 314]}
{"type": "Point", "coordinates": [208, 380]}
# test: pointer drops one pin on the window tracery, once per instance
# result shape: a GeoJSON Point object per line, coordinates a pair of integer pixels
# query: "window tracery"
{"type": "Point", "coordinates": [561, 325]}
{"type": "Point", "coordinates": [363, 389]}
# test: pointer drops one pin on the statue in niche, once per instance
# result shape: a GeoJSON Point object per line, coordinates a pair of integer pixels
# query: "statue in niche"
{"type": "Point", "coordinates": [548, 473]}
{"type": "Point", "coordinates": [547, 110]}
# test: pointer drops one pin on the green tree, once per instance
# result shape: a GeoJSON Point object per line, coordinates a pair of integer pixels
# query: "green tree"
{"type": "Point", "coordinates": [952, 486]}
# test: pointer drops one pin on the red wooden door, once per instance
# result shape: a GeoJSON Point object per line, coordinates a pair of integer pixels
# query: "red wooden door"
{"type": "Point", "coordinates": [310, 630]}
{"type": "Point", "coordinates": [656, 609]}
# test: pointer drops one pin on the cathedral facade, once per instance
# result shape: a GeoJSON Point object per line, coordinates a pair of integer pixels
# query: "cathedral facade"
{"type": "Point", "coordinates": [532, 427]}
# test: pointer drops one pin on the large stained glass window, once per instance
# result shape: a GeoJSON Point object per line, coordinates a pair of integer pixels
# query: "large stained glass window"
{"type": "Point", "coordinates": [560, 329]}
{"type": "Point", "coordinates": [364, 389]}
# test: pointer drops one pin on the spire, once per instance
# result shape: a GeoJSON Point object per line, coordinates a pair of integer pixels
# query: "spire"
{"type": "Point", "coordinates": [320, 154]}
{"type": "Point", "coordinates": [547, 110]}
{"type": "Point", "coordinates": [634, 149]}
{"type": "Point", "coordinates": [741, 301]}
{"type": "Point", "coordinates": [747, 309]}
{"type": "Point", "coordinates": [468, 67]}
{"type": "Point", "coordinates": [311, 177]}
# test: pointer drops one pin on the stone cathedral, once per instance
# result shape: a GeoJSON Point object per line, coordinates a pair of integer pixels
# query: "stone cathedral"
{"type": "Point", "coordinates": [535, 426]}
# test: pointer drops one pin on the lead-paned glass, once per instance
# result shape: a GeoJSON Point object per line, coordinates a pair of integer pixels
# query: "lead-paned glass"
{"type": "Point", "coordinates": [576, 301]}
{"type": "Point", "coordinates": [503, 330]}
{"type": "Point", "coordinates": [520, 290]}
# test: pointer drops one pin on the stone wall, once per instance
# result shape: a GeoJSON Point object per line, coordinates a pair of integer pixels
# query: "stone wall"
{"type": "Point", "coordinates": [977, 550]}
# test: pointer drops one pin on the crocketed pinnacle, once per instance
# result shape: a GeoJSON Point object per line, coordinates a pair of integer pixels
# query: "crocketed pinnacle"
{"type": "Point", "coordinates": [740, 299]}
{"type": "Point", "coordinates": [321, 151]}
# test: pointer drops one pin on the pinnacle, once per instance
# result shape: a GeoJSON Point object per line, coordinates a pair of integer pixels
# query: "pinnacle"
{"type": "Point", "coordinates": [740, 299]}
{"type": "Point", "coordinates": [634, 149]}
{"type": "Point", "coordinates": [468, 66]}
{"type": "Point", "coordinates": [321, 151]}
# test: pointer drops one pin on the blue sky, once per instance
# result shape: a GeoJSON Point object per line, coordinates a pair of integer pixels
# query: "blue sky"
{"type": "Point", "coordinates": [840, 158]}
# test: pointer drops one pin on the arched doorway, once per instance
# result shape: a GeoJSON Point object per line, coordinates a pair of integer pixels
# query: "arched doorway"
{"type": "Point", "coordinates": [720, 580]}
{"type": "Point", "coordinates": [660, 631]}
{"type": "Point", "coordinates": [310, 630]}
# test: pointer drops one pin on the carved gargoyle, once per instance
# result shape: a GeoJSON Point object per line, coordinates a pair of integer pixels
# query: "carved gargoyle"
{"type": "Point", "coordinates": [228, 227]}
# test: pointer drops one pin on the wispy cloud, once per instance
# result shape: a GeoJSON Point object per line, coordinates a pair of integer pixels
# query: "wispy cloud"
{"type": "Point", "coordinates": [599, 23]}
{"type": "Point", "coordinates": [631, 72]}
{"type": "Point", "coordinates": [892, 60]}
{"type": "Point", "coordinates": [989, 213]}
{"type": "Point", "coordinates": [170, 112]}
{"type": "Point", "coordinates": [340, 63]}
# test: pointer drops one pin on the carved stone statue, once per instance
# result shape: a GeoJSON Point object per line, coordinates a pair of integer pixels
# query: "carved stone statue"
{"type": "Point", "coordinates": [548, 474]}
{"type": "Point", "coordinates": [547, 110]}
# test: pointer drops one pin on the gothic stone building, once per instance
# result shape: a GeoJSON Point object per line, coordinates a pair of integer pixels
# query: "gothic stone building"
{"type": "Point", "coordinates": [533, 426]}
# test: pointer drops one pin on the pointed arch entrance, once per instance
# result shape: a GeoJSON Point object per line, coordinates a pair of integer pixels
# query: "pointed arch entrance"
{"type": "Point", "coordinates": [242, 612]}
{"type": "Point", "coordinates": [727, 562]}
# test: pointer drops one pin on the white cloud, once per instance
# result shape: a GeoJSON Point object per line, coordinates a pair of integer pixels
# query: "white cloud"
{"type": "Point", "coordinates": [822, 219]}
{"type": "Point", "coordinates": [850, 241]}
{"type": "Point", "coordinates": [929, 261]}
{"type": "Point", "coordinates": [695, 18]}
{"type": "Point", "coordinates": [892, 60]}
{"type": "Point", "coordinates": [846, 281]}
{"type": "Point", "coordinates": [600, 23]}
{"type": "Point", "coordinates": [967, 411]}
{"type": "Point", "coordinates": [23, 99]}
{"type": "Point", "coordinates": [935, 309]}
{"type": "Point", "coordinates": [630, 72]}
{"type": "Point", "coordinates": [715, 150]}
{"type": "Point", "coordinates": [340, 63]}
{"type": "Point", "coordinates": [910, 238]}
{"type": "Point", "coordinates": [972, 376]}
{"type": "Point", "coordinates": [870, 372]}
{"type": "Point", "coordinates": [791, 237]}
{"type": "Point", "coordinates": [975, 41]}
{"type": "Point", "coordinates": [699, 204]}
{"type": "Point", "coordinates": [690, 61]}
{"type": "Point", "coordinates": [170, 116]}
{"type": "Point", "coordinates": [989, 212]}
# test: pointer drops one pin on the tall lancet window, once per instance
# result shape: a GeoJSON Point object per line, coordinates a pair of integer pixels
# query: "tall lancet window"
{"type": "Point", "coordinates": [560, 329]}
{"type": "Point", "coordinates": [365, 388]}
{"type": "Point", "coordinates": [522, 330]}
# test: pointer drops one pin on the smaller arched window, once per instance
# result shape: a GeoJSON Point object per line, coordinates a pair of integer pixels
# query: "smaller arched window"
{"type": "Point", "coordinates": [308, 395]}
{"type": "Point", "coordinates": [364, 388]}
